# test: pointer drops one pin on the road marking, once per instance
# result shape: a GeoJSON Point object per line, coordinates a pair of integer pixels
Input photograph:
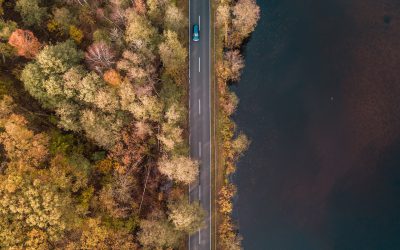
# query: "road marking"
{"type": "Point", "coordinates": [199, 148]}
{"type": "Point", "coordinates": [199, 193]}
{"type": "Point", "coordinates": [199, 107]}
{"type": "Point", "coordinates": [199, 236]}
{"type": "Point", "coordinates": [199, 23]}
{"type": "Point", "coordinates": [199, 64]}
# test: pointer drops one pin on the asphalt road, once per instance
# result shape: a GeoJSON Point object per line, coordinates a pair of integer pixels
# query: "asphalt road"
{"type": "Point", "coordinates": [200, 116]}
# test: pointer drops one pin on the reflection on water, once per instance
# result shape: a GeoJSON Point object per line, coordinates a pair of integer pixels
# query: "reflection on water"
{"type": "Point", "coordinates": [320, 100]}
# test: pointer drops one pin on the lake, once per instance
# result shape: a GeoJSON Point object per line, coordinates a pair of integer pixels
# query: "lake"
{"type": "Point", "coordinates": [320, 101]}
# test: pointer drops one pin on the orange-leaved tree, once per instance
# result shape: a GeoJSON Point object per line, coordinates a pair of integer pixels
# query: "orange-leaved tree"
{"type": "Point", "coordinates": [25, 42]}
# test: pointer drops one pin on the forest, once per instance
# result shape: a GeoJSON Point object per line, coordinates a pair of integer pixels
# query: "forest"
{"type": "Point", "coordinates": [94, 151]}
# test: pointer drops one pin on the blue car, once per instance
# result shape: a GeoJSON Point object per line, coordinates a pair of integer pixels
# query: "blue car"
{"type": "Point", "coordinates": [196, 33]}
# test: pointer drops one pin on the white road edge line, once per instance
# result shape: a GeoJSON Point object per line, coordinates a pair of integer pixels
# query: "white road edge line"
{"type": "Point", "coordinates": [199, 64]}
{"type": "Point", "coordinates": [199, 148]}
{"type": "Point", "coordinates": [199, 107]}
{"type": "Point", "coordinates": [199, 192]}
{"type": "Point", "coordinates": [199, 236]}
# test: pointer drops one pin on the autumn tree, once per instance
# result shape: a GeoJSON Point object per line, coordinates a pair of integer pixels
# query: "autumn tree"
{"type": "Point", "coordinates": [170, 136]}
{"type": "Point", "coordinates": [148, 108]}
{"type": "Point", "coordinates": [158, 233]}
{"type": "Point", "coordinates": [41, 210]}
{"type": "Point", "coordinates": [229, 103]}
{"type": "Point", "coordinates": [155, 11]}
{"type": "Point", "coordinates": [230, 67]}
{"type": "Point", "coordinates": [21, 144]}
{"type": "Point", "coordinates": [185, 216]}
{"type": "Point", "coordinates": [174, 18]}
{"type": "Point", "coordinates": [75, 34]}
{"type": "Point", "coordinates": [95, 235]}
{"type": "Point", "coordinates": [112, 77]}
{"type": "Point", "coordinates": [137, 66]}
{"type": "Point", "coordinates": [140, 7]}
{"type": "Point", "coordinates": [171, 133]}
{"type": "Point", "coordinates": [240, 144]}
{"type": "Point", "coordinates": [133, 146]}
{"type": "Point", "coordinates": [224, 19]}
{"type": "Point", "coordinates": [173, 55]}
{"type": "Point", "coordinates": [69, 173]}
{"type": "Point", "coordinates": [245, 17]}
{"type": "Point", "coordinates": [26, 44]}
{"type": "Point", "coordinates": [101, 127]}
{"type": "Point", "coordinates": [225, 196]}
{"type": "Point", "coordinates": [139, 31]}
{"type": "Point", "coordinates": [228, 237]}
{"type": "Point", "coordinates": [43, 78]}
{"type": "Point", "coordinates": [31, 11]}
{"type": "Point", "coordinates": [179, 168]}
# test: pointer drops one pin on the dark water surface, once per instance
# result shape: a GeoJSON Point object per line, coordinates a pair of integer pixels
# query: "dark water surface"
{"type": "Point", "coordinates": [320, 100]}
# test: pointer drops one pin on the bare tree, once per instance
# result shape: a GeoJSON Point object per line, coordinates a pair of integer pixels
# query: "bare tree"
{"type": "Point", "coordinates": [100, 56]}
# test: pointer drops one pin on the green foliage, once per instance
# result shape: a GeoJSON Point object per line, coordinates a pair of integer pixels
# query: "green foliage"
{"type": "Point", "coordinates": [6, 28]}
{"type": "Point", "coordinates": [65, 144]}
{"type": "Point", "coordinates": [84, 199]}
{"type": "Point", "coordinates": [43, 78]}
{"type": "Point", "coordinates": [101, 35]}
{"type": "Point", "coordinates": [31, 11]}
{"type": "Point", "coordinates": [129, 225]}
{"type": "Point", "coordinates": [173, 56]}
{"type": "Point", "coordinates": [63, 18]}
{"type": "Point", "coordinates": [1, 7]}
{"type": "Point", "coordinates": [170, 91]}
{"type": "Point", "coordinates": [57, 59]}
{"type": "Point", "coordinates": [6, 51]}
{"type": "Point", "coordinates": [6, 85]}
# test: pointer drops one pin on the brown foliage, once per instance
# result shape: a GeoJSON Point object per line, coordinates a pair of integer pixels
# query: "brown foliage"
{"type": "Point", "coordinates": [224, 198]}
{"type": "Point", "coordinates": [117, 198]}
{"type": "Point", "coordinates": [230, 67]}
{"type": "Point", "coordinates": [132, 147]}
{"type": "Point", "coordinates": [140, 7]}
{"type": "Point", "coordinates": [25, 42]}
{"type": "Point", "coordinates": [228, 238]}
{"type": "Point", "coordinates": [246, 14]}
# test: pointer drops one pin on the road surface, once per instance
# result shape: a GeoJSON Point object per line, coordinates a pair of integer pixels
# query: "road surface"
{"type": "Point", "coordinates": [199, 116]}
